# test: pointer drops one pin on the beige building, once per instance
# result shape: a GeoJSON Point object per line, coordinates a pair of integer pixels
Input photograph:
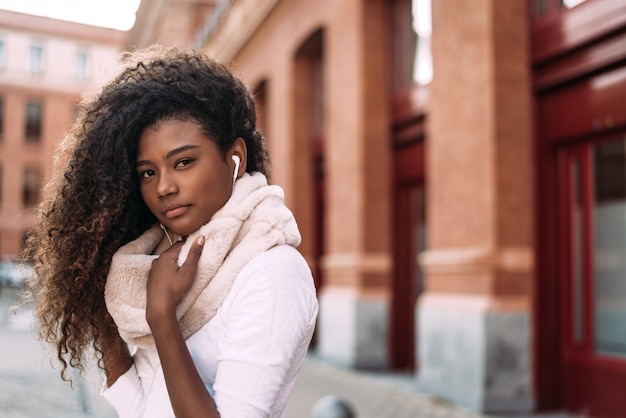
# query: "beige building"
{"type": "Point", "coordinates": [166, 22]}
{"type": "Point", "coordinates": [45, 65]}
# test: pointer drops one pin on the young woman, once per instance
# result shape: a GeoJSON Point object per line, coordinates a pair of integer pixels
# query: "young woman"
{"type": "Point", "coordinates": [161, 245]}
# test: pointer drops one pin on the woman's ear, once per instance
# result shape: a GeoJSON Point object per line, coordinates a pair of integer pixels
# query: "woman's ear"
{"type": "Point", "coordinates": [238, 153]}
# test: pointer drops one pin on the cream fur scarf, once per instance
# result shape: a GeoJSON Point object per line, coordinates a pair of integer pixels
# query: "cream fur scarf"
{"type": "Point", "coordinates": [253, 220]}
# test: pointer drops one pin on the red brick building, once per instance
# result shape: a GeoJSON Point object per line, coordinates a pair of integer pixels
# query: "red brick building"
{"type": "Point", "coordinates": [45, 65]}
{"type": "Point", "coordinates": [471, 228]}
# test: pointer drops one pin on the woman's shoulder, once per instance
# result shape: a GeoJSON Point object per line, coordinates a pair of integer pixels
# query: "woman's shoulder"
{"type": "Point", "coordinates": [281, 267]}
{"type": "Point", "coordinates": [277, 277]}
{"type": "Point", "coordinates": [286, 254]}
{"type": "Point", "coordinates": [281, 262]}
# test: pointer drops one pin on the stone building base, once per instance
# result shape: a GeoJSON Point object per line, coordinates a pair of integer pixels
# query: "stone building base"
{"type": "Point", "coordinates": [352, 328]}
{"type": "Point", "coordinates": [474, 356]}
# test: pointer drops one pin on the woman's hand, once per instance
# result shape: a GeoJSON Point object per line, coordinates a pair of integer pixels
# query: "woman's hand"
{"type": "Point", "coordinates": [168, 283]}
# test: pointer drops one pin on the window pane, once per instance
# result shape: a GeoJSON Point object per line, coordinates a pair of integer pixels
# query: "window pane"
{"type": "Point", "coordinates": [572, 3]}
{"type": "Point", "coordinates": [2, 54]}
{"type": "Point", "coordinates": [81, 65]}
{"type": "Point", "coordinates": [578, 301]}
{"type": "Point", "coordinates": [33, 121]}
{"type": "Point", "coordinates": [36, 59]}
{"type": "Point", "coordinates": [540, 7]}
{"type": "Point", "coordinates": [31, 186]}
{"type": "Point", "coordinates": [1, 117]}
{"type": "Point", "coordinates": [423, 66]}
{"type": "Point", "coordinates": [419, 233]}
{"type": "Point", "coordinates": [610, 247]}
{"type": "Point", "coordinates": [411, 32]}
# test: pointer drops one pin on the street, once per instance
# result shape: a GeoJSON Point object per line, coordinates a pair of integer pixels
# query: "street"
{"type": "Point", "coordinates": [29, 386]}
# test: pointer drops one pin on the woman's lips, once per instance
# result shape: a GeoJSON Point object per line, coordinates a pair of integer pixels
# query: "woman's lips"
{"type": "Point", "coordinates": [175, 211]}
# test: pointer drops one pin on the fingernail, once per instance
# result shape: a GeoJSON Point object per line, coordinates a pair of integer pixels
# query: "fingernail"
{"type": "Point", "coordinates": [200, 240]}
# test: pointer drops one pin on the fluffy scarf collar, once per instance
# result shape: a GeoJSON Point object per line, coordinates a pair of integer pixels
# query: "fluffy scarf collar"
{"type": "Point", "coordinates": [253, 220]}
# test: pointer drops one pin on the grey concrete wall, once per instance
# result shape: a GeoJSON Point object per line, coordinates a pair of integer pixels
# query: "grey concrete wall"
{"type": "Point", "coordinates": [352, 331]}
{"type": "Point", "coordinates": [478, 359]}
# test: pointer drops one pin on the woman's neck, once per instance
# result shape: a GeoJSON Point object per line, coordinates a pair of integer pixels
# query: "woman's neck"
{"type": "Point", "coordinates": [168, 240]}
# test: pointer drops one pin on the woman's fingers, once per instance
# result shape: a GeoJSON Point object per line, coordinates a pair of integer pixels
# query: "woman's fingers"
{"type": "Point", "coordinates": [190, 266]}
{"type": "Point", "coordinates": [167, 282]}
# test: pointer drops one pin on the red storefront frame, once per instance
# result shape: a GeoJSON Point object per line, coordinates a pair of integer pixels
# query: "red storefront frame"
{"type": "Point", "coordinates": [579, 75]}
{"type": "Point", "coordinates": [591, 381]}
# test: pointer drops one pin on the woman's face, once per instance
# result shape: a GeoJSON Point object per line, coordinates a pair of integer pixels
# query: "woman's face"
{"type": "Point", "coordinates": [184, 179]}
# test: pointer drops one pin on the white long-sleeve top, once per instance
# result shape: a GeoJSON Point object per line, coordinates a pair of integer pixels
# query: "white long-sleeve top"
{"type": "Point", "coordinates": [248, 354]}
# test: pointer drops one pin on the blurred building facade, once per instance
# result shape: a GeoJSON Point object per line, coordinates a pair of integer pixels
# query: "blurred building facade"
{"type": "Point", "coordinates": [458, 171]}
{"type": "Point", "coordinates": [167, 22]}
{"type": "Point", "coordinates": [45, 65]}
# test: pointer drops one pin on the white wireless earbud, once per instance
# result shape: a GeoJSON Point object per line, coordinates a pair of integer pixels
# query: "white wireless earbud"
{"type": "Point", "coordinates": [237, 161]}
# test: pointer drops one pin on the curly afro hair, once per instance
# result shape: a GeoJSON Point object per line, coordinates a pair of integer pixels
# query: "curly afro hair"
{"type": "Point", "coordinates": [92, 205]}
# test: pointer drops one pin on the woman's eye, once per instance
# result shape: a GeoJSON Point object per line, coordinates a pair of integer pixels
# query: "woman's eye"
{"type": "Point", "coordinates": [146, 174]}
{"type": "Point", "coordinates": [183, 163]}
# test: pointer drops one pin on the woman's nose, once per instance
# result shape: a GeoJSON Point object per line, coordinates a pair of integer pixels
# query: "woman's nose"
{"type": "Point", "coordinates": [166, 186]}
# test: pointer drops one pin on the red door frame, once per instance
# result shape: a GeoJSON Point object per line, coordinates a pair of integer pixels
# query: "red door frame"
{"type": "Point", "coordinates": [408, 116]}
{"type": "Point", "coordinates": [569, 47]}
{"type": "Point", "coordinates": [311, 101]}
{"type": "Point", "coordinates": [408, 173]}
{"type": "Point", "coordinates": [591, 381]}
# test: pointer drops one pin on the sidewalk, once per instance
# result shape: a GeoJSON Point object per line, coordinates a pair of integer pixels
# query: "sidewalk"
{"type": "Point", "coordinates": [369, 395]}
{"type": "Point", "coordinates": [374, 395]}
